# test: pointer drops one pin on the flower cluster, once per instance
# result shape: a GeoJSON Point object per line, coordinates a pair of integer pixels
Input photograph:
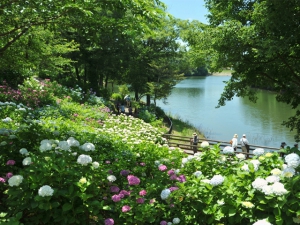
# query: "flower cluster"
{"type": "Point", "coordinates": [165, 194]}
{"type": "Point", "coordinates": [275, 188]}
{"type": "Point", "coordinates": [259, 151]}
{"type": "Point", "coordinates": [15, 180]}
{"type": "Point", "coordinates": [216, 180]}
{"type": "Point", "coordinates": [45, 190]}
{"type": "Point", "coordinates": [84, 159]}
{"type": "Point", "coordinates": [228, 150]}
{"type": "Point", "coordinates": [292, 160]}
{"type": "Point", "coordinates": [133, 180]}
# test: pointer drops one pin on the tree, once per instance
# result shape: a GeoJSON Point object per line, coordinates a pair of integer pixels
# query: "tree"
{"type": "Point", "coordinates": [260, 40]}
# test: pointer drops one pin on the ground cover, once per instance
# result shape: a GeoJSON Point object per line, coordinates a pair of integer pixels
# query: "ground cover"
{"type": "Point", "coordinates": [75, 162]}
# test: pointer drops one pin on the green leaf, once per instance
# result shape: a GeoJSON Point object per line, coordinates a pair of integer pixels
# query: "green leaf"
{"type": "Point", "coordinates": [67, 207]}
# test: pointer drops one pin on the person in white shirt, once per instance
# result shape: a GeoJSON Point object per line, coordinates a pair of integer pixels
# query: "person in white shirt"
{"type": "Point", "coordinates": [243, 143]}
{"type": "Point", "coordinates": [234, 141]}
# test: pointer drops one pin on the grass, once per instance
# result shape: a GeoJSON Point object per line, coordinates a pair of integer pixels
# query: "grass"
{"type": "Point", "coordinates": [184, 128]}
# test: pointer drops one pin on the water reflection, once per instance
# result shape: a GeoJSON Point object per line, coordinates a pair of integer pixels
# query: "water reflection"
{"type": "Point", "coordinates": [194, 100]}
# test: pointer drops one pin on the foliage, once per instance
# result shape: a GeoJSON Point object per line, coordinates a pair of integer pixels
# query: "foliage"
{"type": "Point", "coordinates": [73, 163]}
{"type": "Point", "coordinates": [259, 40]}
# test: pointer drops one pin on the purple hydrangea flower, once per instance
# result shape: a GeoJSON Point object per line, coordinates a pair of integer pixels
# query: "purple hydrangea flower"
{"type": "Point", "coordinates": [173, 188]}
{"type": "Point", "coordinates": [125, 193]}
{"type": "Point", "coordinates": [163, 222]}
{"type": "Point", "coordinates": [140, 200]}
{"type": "Point", "coordinates": [109, 221]}
{"type": "Point", "coordinates": [124, 172]}
{"type": "Point", "coordinates": [114, 189]}
{"type": "Point", "coordinates": [181, 178]}
{"type": "Point", "coordinates": [9, 175]}
{"type": "Point", "coordinates": [171, 172]}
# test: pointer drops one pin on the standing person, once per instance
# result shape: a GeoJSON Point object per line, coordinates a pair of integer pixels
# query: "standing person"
{"type": "Point", "coordinates": [118, 107]}
{"type": "Point", "coordinates": [294, 149]}
{"type": "Point", "coordinates": [194, 142]}
{"type": "Point", "coordinates": [234, 141]}
{"type": "Point", "coordinates": [122, 107]}
{"type": "Point", "coordinates": [282, 150]}
{"type": "Point", "coordinates": [130, 111]}
{"type": "Point", "coordinates": [127, 99]}
{"type": "Point", "coordinates": [244, 142]}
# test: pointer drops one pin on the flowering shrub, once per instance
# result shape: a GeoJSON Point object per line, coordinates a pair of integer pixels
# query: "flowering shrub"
{"type": "Point", "coordinates": [78, 164]}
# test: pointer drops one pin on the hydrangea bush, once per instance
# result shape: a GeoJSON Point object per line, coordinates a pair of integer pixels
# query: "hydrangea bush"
{"type": "Point", "coordinates": [68, 163]}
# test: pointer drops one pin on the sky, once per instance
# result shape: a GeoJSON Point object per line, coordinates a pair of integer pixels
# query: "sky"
{"type": "Point", "coordinates": [187, 9]}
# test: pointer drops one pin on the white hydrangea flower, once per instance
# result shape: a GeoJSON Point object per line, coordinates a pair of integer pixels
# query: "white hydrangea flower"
{"type": "Point", "coordinates": [267, 189]}
{"type": "Point", "coordinates": [262, 222]}
{"type": "Point", "coordinates": [73, 142]}
{"type": "Point", "coordinates": [45, 190]}
{"type": "Point", "coordinates": [190, 157]}
{"type": "Point", "coordinates": [288, 172]}
{"type": "Point", "coordinates": [157, 163]}
{"type": "Point", "coordinates": [95, 165]}
{"type": "Point", "coordinates": [255, 162]}
{"type": "Point", "coordinates": [46, 141]}
{"type": "Point", "coordinates": [197, 173]}
{"type": "Point", "coordinates": [184, 160]}
{"type": "Point", "coordinates": [64, 145]}
{"type": "Point", "coordinates": [84, 159]}
{"type": "Point", "coordinates": [24, 151]}
{"type": "Point", "coordinates": [46, 146]}
{"type": "Point", "coordinates": [259, 183]}
{"type": "Point", "coordinates": [111, 178]}
{"type": "Point", "coordinates": [176, 220]}
{"type": "Point", "coordinates": [258, 151]}
{"type": "Point", "coordinates": [205, 181]}
{"type": "Point", "coordinates": [272, 179]}
{"type": "Point", "coordinates": [292, 160]}
{"type": "Point", "coordinates": [216, 180]}
{"type": "Point", "coordinates": [278, 188]}
{"type": "Point", "coordinates": [165, 194]}
{"type": "Point", "coordinates": [241, 156]}
{"type": "Point", "coordinates": [15, 180]}
{"type": "Point", "coordinates": [228, 150]}
{"type": "Point", "coordinates": [27, 161]}
{"type": "Point", "coordinates": [204, 144]}
{"type": "Point", "coordinates": [169, 223]}
{"type": "Point", "coordinates": [276, 172]}
{"type": "Point", "coordinates": [7, 120]}
{"type": "Point", "coordinates": [88, 147]}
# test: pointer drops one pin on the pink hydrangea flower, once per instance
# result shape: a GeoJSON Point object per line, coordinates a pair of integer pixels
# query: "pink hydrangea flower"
{"type": "Point", "coordinates": [173, 177]}
{"type": "Point", "coordinates": [152, 201]}
{"type": "Point", "coordinates": [142, 164]}
{"type": "Point", "coordinates": [11, 162]}
{"type": "Point", "coordinates": [133, 180]}
{"type": "Point", "coordinates": [173, 188]}
{"type": "Point", "coordinates": [163, 222]}
{"type": "Point", "coordinates": [2, 180]}
{"type": "Point", "coordinates": [126, 208]}
{"type": "Point", "coordinates": [171, 172]}
{"type": "Point", "coordinates": [162, 168]}
{"type": "Point", "coordinates": [116, 198]}
{"type": "Point", "coordinates": [181, 178]}
{"type": "Point", "coordinates": [143, 192]}
{"type": "Point", "coordinates": [125, 193]}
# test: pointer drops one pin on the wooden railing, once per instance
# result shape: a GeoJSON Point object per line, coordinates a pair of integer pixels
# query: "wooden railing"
{"type": "Point", "coordinates": [185, 144]}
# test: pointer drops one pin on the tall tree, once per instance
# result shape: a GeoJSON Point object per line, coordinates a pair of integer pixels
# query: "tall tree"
{"type": "Point", "coordinates": [260, 40]}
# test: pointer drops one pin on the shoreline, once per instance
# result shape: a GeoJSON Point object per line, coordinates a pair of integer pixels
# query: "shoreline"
{"type": "Point", "coordinates": [221, 74]}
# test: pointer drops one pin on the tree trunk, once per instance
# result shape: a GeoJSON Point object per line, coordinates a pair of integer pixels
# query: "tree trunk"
{"type": "Point", "coordinates": [148, 100]}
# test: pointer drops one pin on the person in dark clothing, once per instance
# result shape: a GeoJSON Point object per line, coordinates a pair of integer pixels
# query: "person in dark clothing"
{"type": "Point", "coordinates": [282, 150]}
{"type": "Point", "coordinates": [194, 142]}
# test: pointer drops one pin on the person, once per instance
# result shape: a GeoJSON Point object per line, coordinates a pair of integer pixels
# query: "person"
{"type": "Point", "coordinates": [127, 99]}
{"type": "Point", "coordinates": [194, 142]}
{"type": "Point", "coordinates": [122, 107]}
{"type": "Point", "coordinates": [234, 141]}
{"type": "Point", "coordinates": [294, 149]}
{"type": "Point", "coordinates": [118, 107]}
{"type": "Point", "coordinates": [130, 111]}
{"type": "Point", "coordinates": [282, 150]}
{"type": "Point", "coordinates": [243, 143]}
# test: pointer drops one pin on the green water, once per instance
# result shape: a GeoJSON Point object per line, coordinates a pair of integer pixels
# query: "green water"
{"type": "Point", "coordinates": [194, 100]}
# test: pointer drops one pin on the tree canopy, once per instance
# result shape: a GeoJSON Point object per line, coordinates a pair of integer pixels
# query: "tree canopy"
{"type": "Point", "coordinates": [260, 41]}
